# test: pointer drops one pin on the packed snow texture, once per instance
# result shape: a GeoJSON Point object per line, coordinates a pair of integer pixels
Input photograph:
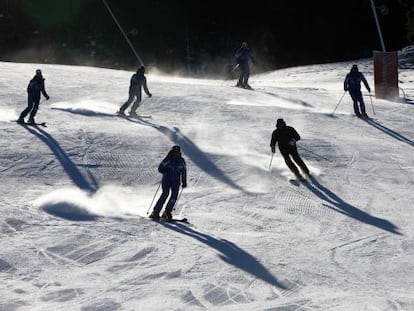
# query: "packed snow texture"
{"type": "Point", "coordinates": [76, 195]}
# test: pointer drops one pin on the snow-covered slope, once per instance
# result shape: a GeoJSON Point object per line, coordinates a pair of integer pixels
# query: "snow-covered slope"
{"type": "Point", "coordinates": [75, 195]}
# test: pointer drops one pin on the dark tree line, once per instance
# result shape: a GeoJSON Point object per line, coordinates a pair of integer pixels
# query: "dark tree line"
{"type": "Point", "coordinates": [200, 37]}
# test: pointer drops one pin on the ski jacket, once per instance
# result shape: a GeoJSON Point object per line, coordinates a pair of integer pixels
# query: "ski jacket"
{"type": "Point", "coordinates": [283, 136]}
{"type": "Point", "coordinates": [243, 56]}
{"type": "Point", "coordinates": [138, 81]}
{"type": "Point", "coordinates": [37, 86]}
{"type": "Point", "coordinates": [173, 169]}
{"type": "Point", "coordinates": [353, 82]}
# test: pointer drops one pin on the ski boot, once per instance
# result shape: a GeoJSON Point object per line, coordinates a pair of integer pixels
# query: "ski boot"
{"type": "Point", "coordinates": [155, 215]}
{"type": "Point", "coordinates": [166, 215]}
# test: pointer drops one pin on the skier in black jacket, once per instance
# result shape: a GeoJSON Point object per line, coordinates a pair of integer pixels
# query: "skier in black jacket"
{"type": "Point", "coordinates": [138, 81]}
{"type": "Point", "coordinates": [352, 84]}
{"type": "Point", "coordinates": [286, 137]}
{"type": "Point", "coordinates": [34, 89]}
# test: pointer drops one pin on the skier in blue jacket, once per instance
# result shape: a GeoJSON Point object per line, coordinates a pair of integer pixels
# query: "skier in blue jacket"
{"type": "Point", "coordinates": [174, 172]}
{"type": "Point", "coordinates": [352, 84]}
{"type": "Point", "coordinates": [242, 58]}
{"type": "Point", "coordinates": [34, 89]}
{"type": "Point", "coordinates": [137, 82]}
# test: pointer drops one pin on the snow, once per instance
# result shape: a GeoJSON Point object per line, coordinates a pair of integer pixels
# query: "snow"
{"type": "Point", "coordinates": [76, 195]}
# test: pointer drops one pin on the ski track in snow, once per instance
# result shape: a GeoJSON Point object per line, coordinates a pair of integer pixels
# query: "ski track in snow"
{"type": "Point", "coordinates": [76, 195]}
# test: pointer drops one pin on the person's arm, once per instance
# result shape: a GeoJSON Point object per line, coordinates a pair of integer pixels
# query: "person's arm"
{"type": "Point", "coordinates": [346, 82]}
{"type": "Point", "coordinates": [184, 175]}
{"type": "Point", "coordinates": [144, 85]}
{"type": "Point", "coordinates": [273, 141]}
{"type": "Point", "coordinates": [365, 83]}
{"type": "Point", "coordinates": [163, 167]}
{"type": "Point", "coordinates": [43, 90]}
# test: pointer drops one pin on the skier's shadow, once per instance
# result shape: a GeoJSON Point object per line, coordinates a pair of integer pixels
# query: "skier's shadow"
{"type": "Point", "coordinates": [231, 254]}
{"type": "Point", "coordinates": [70, 168]}
{"type": "Point", "coordinates": [390, 132]}
{"type": "Point", "coordinates": [193, 152]}
{"type": "Point", "coordinates": [340, 206]}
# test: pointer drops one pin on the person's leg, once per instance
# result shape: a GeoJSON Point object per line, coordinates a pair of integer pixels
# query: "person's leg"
{"type": "Point", "coordinates": [27, 110]}
{"type": "Point", "coordinates": [299, 161]}
{"type": "Point", "coordinates": [356, 109]}
{"type": "Point", "coordinates": [171, 202]}
{"type": "Point", "coordinates": [127, 103]}
{"type": "Point", "coordinates": [362, 105]}
{"type": "Point", "coordinates": [34, 110]}
{"type": "Point", "coordinates": [290, 164]}
{"type": "Point", "coordinates": [164, 195]}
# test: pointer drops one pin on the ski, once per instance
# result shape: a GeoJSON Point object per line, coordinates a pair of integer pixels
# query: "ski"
{"type": "Point", "coordinates": [138, 116]}
{"type": "Point", "coordinates": [32, 124]}
{"type": "Point", "coordinates": [171, 220]}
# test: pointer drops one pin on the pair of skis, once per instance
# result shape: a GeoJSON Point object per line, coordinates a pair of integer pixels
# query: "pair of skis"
{"type": "Point", "coordinates": [31, 124]}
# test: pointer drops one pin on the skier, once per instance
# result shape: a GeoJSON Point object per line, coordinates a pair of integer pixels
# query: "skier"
{"type": "Point", "coordinates": [242, 58]}
{"type": "Point", "coordinates": [35, 87]}
{"type": "Point", "coordinates": [173, 170]}
{"type": "Point", "coordinates": [352, 84]}
{"type": "Point", "coordinates": [286, 137]}
{"type": "Point", "coordinates": [138, 81]}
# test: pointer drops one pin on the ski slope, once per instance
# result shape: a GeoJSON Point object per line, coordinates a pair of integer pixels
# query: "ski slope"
{"type": "Point", "coordinates": [75, 195]}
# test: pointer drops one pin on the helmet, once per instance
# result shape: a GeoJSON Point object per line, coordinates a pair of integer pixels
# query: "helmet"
{"type": "Point", "coordinates": [38, 72]}
{"type": "Point", "coordinates": [280, 123]}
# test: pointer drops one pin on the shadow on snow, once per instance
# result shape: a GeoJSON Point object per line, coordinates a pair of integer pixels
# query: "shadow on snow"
{"type": "Point", "coordinates": [347, 209]}
{"type": "Point", "coordinates": [390, 132]}
{"type": "Point", "coordinates": [70, 168]}
{"type": "Point", "coordinates": [231, 254]}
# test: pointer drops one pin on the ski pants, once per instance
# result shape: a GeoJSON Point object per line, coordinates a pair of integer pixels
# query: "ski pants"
{"type": "Point", "coordinates": [131, 98]}
{"type": "Point", "coordinates": [244, 74]}
{"type": "Point", "coordinates": [167, 187]}
{"type": "Point", "coordinates": [356, 96]}
{"type": "Point", "coordinates": [32, 107]}
{"type": "Point", "coordinates": [293, 152]}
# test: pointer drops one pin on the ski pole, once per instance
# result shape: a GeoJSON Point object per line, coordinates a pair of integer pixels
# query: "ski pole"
{"type": "Point", "coordinates": [159, 185]}
{"type": "Point", "coordinates": [271, 159]}
{"type": "Point", "coordinates": [178, 198]}
{"type": "Point", "coordinates": [338, 103]}
{"type": "Point", "coordinates": [372, 105]}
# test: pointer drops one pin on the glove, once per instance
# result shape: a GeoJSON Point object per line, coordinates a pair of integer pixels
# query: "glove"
{"type": "Point", "coordinates": [345, 89]}
{"type": "Point", "coordinates": [292, 142]}
{"type": "Point", "coordinates": [369, 90]}
{"type": "Point", "coordinates": [149, 95]}
{"type": "Point", "coordinates": [273, 149]}
{"type": "Point", "coordinates": [184, 185]}
{"type": "Point", "coordinates": [47, 97]}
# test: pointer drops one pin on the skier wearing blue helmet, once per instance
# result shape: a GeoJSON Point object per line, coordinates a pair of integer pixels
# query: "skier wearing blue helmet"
{"type": "Point", "coordinates": [174, 172]}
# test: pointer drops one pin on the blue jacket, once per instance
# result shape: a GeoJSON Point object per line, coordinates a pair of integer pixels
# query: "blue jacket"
{"type": "Point", "coordinates": [353, 82]}
{"type": "Point", "coordinates": [138, 81]}
{"type": "Point", "coordinates": [173, 169]}
{"type": "Point", "coordinates": [37, 86]}
{"type": "Point", "coordinates": [243, 56]}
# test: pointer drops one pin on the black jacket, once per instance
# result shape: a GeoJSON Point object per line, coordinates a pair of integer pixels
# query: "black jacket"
{"type": "Point", "coordinates": [37, 86]}
{"type": "Point", "coordinates": [283, 136]}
